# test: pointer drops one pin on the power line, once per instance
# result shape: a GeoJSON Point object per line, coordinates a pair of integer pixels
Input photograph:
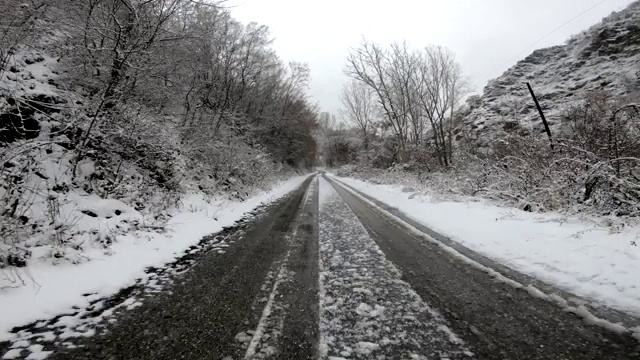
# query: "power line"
{"type": "Point", "coordinates": [546, 36]}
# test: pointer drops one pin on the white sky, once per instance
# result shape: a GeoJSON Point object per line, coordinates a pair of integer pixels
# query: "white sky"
{"type": "Point", "coordinates": [486, 35]}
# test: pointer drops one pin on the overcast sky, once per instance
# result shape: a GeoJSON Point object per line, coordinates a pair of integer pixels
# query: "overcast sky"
{"type": "Point", "coordinates": [486, 35]}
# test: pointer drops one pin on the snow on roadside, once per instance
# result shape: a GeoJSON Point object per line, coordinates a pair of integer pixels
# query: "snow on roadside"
{"type": "Point", "coordinates": [579, 257]}
{"type": "Point", "coordinates": [366, 310]}
{"type": "Point", "coordinates": [57, 289]}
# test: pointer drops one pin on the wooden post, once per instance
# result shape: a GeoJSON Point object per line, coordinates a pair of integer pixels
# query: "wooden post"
{"type": "Point", "coordinates": [544, 120]}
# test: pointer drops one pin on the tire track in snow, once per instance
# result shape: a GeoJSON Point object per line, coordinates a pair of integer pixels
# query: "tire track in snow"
{"type": "Point", "coordinates": [268, 337]}
{"type": "Point", "coordinates": [366, 310]}
{"type": "Point", "coordinates": [200, 314]}
{"type": "Point", "coordinates": [579, 310]}
{"type": "Point", "coordinates": [500, 316]}
{"type": "Point", "coordinates": [270, 315]}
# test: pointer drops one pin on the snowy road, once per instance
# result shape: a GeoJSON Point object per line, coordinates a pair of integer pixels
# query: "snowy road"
{"type": "Point", "coordinates": [326, 273]}
{"type": "Point", "coordinates": [366, 309]}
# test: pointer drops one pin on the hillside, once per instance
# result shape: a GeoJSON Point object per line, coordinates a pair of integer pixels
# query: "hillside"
{"type": "Point", "coordinates": [107, 129]}
{"type": "Point", "coordinates": [606, 57]}
{"type": "Point", "coordinates": [402, 103]}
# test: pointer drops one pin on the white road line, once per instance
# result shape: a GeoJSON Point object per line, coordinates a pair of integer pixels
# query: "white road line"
{"type": "Point", "coordinates": [366, 310]}
{"type": "Point", "coordinates": [581, 311]}
{"type": "Point", "coordinates": [282, 275]}
{"type": "Point", "coordinates": [323, 347]}
{"type": "Point", "coordinates": [266, 312]}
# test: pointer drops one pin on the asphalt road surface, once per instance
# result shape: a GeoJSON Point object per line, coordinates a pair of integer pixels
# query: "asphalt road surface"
{"type": "Point", "coordinates": [323, 273]}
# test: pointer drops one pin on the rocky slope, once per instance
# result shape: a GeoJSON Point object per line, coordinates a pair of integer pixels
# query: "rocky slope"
{"type": "Point", "coordinates": [604, 57]}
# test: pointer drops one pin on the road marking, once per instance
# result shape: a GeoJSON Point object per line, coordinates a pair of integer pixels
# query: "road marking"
{"type": "Point", "coordinates": [580, 310]}
{"type": "Point", "coordinates": [282, 276]}
{"type": "Point", "coordinates": [366, 310]}
{"type": "Point", "coordinates": [266, 312]}
{"type": "Point", "coordinates": [323, 349]}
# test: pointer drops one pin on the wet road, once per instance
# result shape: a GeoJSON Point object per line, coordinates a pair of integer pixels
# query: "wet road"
{"type": "Point", "coordinates": [324, 273]}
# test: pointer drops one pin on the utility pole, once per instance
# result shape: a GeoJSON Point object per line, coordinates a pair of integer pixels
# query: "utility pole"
{"type": "Point", "coordinates": [544, 120]}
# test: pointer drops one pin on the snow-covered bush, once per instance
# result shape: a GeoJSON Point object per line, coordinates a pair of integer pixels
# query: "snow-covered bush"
{"type": "Point", "coordinates": [341, 147]}
{"type": "Point", "coordinates": [594, 166]}
{"type": "Point", "coordinates": [103, 128]}
{"type": "Point", "coordinates": [382, 154]}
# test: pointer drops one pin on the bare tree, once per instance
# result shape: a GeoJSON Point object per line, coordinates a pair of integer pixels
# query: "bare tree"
{"type": "Point", "coordinates": [403, 68]}
{"type": "Point", "coordinates": [175, 93]}
{"type": "Point", "coordinates": [412, 88]}
{"type": "Point", "coordinates": [440, 87]}
{"type": "Point", "coordinates": [370, 64]}
{"type": "Point", "coordinates": [359, 108]}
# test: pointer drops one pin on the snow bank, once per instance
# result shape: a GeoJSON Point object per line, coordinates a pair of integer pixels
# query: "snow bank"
{"type": "Point", "coordinates": [56, 289]}
{"type": "Point", "coordinates": [33, 77]}
{"type": "Point", "coordinates": [582, 258]}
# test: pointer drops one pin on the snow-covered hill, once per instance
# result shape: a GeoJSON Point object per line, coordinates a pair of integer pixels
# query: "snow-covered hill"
{"type": "Point", "coordinates": [604, 57]}
{"type": "Point", "coordinates": [91, 154]}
